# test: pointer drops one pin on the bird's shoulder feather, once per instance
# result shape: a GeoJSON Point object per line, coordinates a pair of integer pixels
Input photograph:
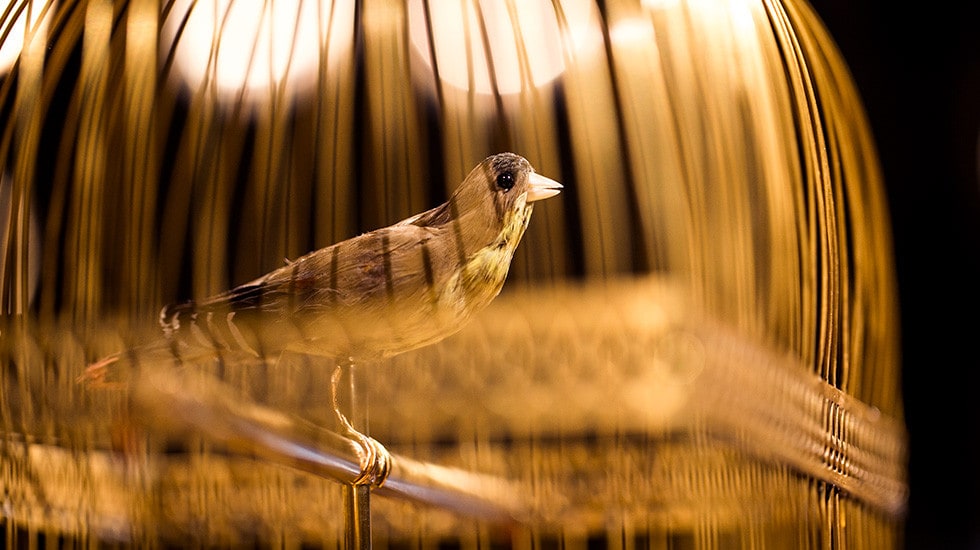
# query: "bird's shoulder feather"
{"type": "Point", "coordinates": [435, 217]}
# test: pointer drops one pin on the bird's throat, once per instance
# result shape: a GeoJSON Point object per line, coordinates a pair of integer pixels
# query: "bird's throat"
{"type": "Point", "coordinates": [483, 275]}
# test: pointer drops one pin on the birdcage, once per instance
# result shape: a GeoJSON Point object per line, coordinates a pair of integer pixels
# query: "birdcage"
{"type": "Point", "coordinates": [696, 345]}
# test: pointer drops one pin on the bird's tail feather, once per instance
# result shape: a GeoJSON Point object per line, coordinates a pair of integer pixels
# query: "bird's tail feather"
{"type": "Point", "coordinates": [99, 375]}
{"type": "Point", "coordinates": [115, 371]}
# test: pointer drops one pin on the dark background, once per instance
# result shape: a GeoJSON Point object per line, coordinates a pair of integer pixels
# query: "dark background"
{"type": "Point", "coordinates": [918, 72]}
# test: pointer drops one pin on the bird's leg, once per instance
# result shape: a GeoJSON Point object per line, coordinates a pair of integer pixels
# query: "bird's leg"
{"type": "Point", "coordinates": [335, 382]}
{"type": "Point", "coordinates": [375, 459]}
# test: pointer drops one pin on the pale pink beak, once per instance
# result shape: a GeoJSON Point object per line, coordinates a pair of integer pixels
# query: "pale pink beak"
{"type": "Point", "coordinates": [540, 187]}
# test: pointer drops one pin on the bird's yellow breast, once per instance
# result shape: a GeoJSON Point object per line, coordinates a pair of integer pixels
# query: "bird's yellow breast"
{"type": "Point", "coordinates": [481, 277]}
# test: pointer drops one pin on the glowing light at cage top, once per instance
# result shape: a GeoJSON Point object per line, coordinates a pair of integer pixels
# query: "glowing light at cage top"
{"type": "Point", "coordinates": [19, 26]}
{"type": "Point", "coordinates": [530, 41]}
{"type": "Point", "coordinates": [659, 4]}
{"type": "Point", "coordinates": [254, 47]}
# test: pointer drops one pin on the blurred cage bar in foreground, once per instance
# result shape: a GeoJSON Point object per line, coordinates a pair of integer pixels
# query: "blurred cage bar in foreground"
{"type": "Point", "coordinates": [697, 344]}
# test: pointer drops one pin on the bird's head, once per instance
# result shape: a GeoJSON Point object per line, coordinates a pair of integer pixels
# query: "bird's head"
{"type": "Point", "coordinates": [496, 198]}
{"type": "Point", "coordinates": [512, 182]}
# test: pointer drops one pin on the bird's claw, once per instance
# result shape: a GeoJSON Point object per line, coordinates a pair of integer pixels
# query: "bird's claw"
{"type": "Point", "coordinates": [375, 461]}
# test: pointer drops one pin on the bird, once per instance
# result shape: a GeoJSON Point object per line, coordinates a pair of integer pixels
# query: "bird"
{"type": "Point", "coordinates": [371, 297]}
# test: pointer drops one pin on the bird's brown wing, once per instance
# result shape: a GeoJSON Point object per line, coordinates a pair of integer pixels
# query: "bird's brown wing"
{"type": "Point", "coordinates": [356, 278]}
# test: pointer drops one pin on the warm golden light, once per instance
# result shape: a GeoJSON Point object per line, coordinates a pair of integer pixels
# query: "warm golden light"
{"type": "Point", "coordinates": [660, 4]}
{"type": "Point", "coordinates": [251, 49]}
{"type": "Point", "coordinates": [632, 31]}
{"type": "Point", "coordinates": [528, 41]}
{"type": "Point", "coordinates": [696, 343]}
{"type": "Point", "coordinates": [23, 25]}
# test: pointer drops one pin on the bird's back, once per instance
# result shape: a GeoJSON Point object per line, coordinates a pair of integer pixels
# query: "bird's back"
{"type": "Point", "coordinates": [375, 295]}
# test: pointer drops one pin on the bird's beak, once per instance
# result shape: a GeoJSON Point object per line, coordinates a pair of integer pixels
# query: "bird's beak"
{"type": "Point", "coordinates": [540, 187]}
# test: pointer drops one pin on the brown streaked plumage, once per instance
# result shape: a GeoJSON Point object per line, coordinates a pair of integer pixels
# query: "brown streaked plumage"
{"type": "Point", "coordinates": [378, 294]}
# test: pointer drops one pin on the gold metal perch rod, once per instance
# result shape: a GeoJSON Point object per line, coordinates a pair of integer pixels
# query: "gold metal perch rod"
{"type": "Point", "coordinates": [171, 402]}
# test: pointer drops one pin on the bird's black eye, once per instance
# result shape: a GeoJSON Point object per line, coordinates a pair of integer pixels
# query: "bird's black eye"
{"type": "Point", "coordinates": [505, 181]}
